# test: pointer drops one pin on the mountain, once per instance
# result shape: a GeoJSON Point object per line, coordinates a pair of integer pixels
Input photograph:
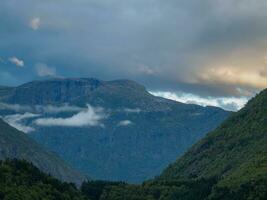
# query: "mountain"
{"type": "Point", "coordinates": [78, 91]}
{"type": "Point", "coordinates": [126, 134]}
{"type": "Point", "coordinates": [15, 144]}
{"type": "Point", "coordinates": [236, 153]}
{"type": "Point", "coordinates": [23, 181]}
{"type": "Point", "coordinates": [230, 163]}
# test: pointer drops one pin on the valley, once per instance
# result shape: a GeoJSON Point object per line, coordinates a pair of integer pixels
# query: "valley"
{"type": "Point", "coordinates": [126, 134]}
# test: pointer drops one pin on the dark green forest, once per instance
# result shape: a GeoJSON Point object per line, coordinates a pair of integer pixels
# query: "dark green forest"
{"type": "Point", "coordinates": [20, 180]}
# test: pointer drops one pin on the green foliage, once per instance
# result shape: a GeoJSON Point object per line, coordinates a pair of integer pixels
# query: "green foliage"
{"type": "Point", "coordinates": [236, 152]}
{"type": "Point", "coordinates": [20, 180]}
{"type": "Point", "coordinates": [193, 189]}
{"type": "Point", "coordinates": [95, 189]}
{"type": "Point", "coordinates": [15, 144]}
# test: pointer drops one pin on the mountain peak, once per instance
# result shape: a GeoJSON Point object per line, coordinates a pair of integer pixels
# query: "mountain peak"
{"type": "Point", "coordinates": [78, 91]}
{"type": "Point", "coordinates": [61, 80]}
{"type": "Point", "coordinates": [260, 101]}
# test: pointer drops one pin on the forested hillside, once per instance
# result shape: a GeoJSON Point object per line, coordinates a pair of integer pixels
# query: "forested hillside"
{"type": "Point", "coordinates": [20, 180]}
{"type": "Point", "coordinates": [16, 144]}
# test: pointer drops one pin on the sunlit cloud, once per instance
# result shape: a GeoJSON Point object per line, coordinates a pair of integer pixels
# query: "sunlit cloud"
{"type": "Point", "coordinates": [233, 75]}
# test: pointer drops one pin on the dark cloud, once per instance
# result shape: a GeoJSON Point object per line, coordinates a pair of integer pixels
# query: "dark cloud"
{"type": "Point", "coordinates": [208, 47]}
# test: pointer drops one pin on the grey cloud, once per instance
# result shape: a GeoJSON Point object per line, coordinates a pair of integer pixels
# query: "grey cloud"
{"type": "Point", "coordinates": [44, 70]}
{"type": "Point", "coordinates": [2, 60]}
{"type": "Point", "coordinates": [35, 23]}
{"type": "Point", "coordinates": [132, 110]}
{"type": "Point", "coordinates": [6, 77]}
{"type": "Point", "coordinates": [162, 44]}
{"type": "Point", "coordinates": [58, 109]}
{"type": "Point", "coordinates": [15, 107]}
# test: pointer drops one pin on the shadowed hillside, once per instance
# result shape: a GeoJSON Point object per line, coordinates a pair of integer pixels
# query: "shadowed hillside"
{"type": "Point", "coordinates": [15, 144]}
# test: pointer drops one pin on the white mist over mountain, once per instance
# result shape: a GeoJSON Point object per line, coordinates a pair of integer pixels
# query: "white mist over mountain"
{"type": "Point", "coordinates": [227, 103]}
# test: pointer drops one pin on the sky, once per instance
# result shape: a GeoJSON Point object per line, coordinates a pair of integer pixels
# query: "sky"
{"type": "Point", "coordinates": [209, 52]}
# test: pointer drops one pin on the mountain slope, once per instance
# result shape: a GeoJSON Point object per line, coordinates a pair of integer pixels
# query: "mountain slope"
{"type": "Point", "coordinates": [138, 137]}
{"type": "Point", "coordinates": [236, 152]}
{"type": "Point", "coordinates": [230, 163]}
{"type": "Point", "coordinates": [15, 144]}
{"type": "Point", "coordinates": [21, 180]}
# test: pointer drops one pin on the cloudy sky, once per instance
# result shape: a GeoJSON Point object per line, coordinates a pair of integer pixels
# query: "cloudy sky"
{"type": "Point", "coordinates": [210, 51]}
